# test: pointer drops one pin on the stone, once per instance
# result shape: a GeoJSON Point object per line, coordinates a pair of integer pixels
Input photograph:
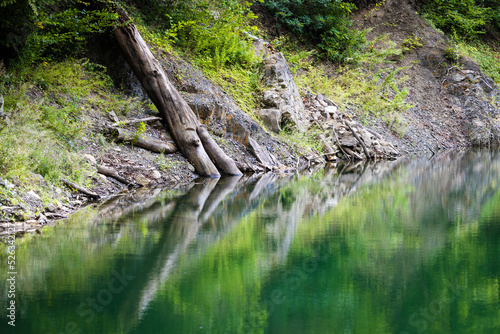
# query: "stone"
{"type": "Point", "coordinates": [271, 117]}
{"type": "Point", "coordinates": [155, 174]}
{"type": "Point", "coordinates": [329, 102]}
{"type": "Point", "coordinates": [280, 91]}
{"type": "Point", "coordinates": [90, 159]}
{"type": "Point", "coordinates": [262, 155]}
{"type": "Point", "coordinates": [112, 116]}
{"type": "Point", "coordinates": [7, 184]}
{"type": "Point", "coordinates": [51, 208]}
{"type": "Point", "coordinates": [31, 195]}
{"type": "Point", "coordinates": [457, 77]}
{"type": "Point", "coordinates": [331, 111]}
{"type": "Point", "coordinates": [42, 220]}
{"type": "Point", "coordinates": [348, 141]}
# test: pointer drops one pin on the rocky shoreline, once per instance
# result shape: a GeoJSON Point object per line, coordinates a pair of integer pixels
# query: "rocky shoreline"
{"type": "Point", "coordinates": [455, 106]}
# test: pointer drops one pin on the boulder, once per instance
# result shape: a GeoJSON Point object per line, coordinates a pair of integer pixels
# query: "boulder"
{"type": "Point", "coordinates": [271, 117]}
{"type": "Point", "coordinates": [281, 93]}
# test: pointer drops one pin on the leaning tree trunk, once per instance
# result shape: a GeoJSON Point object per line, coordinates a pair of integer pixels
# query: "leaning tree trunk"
{"type": "Point", "coordinates": [204, 154]}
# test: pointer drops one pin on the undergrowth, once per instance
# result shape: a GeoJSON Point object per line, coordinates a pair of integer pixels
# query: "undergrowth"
{"type": "Point", "coordinates": [47, 115]}
{"type": "Point", "coordinates": [486, 56]}
{"type": "Point", "coordinates": [373, 89]}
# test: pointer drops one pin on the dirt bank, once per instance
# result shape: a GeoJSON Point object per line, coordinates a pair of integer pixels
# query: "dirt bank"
{"type": "Point", "coordinates": [455, 105]}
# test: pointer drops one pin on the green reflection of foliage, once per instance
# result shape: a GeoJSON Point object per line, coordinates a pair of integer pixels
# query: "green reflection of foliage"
{"type": "Point", "coordinates": [375, 261]}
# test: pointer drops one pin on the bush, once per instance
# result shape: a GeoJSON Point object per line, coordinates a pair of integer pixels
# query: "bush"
{"type": "Point", "coordinates": [211, 30]}
{"type": "Point", "coordinates": [50, 29]}
{"type": "Point", "coordinates": [463, 18]}
{"type": "Point", "coordinates": [323, 22]}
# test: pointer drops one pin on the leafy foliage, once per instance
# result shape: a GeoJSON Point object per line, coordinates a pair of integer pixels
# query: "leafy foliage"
{"type": "Point", "coordinates": [463, 18]}
{"type": "Point", "coordinates": [323, 22]}
{"type": "Point", "coordinates": [212, 31]}
{"type": "Point", "coordinates": [51, 29]}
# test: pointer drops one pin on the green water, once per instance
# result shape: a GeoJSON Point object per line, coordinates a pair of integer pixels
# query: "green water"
{"type": "Point", "coordinates": [402, 247]}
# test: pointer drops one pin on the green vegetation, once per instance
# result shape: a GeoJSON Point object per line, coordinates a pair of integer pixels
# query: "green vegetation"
{"type": "Point", "coordinates": [48, 116]}
{"type": "Point", "coordinates": [212, 32]}
{"type": "Point", "coordinates": [324, 23]}
{"type": "Point", "coordinates": [463, 18]}
{"type": "Point", "coordinates": [488, 57]}
{"type": "Point", "coordinates": [43, 30]}
{"type": "Point", "coordinates": [473, 26]}
{"type": "Point", "coordinates": [371, 89]}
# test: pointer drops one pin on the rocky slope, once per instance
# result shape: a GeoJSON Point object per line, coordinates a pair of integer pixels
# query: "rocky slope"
{"type": "Point", "coordinates": [455, 104]}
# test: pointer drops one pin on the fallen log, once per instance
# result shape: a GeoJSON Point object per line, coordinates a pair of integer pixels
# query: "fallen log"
{"type": "Point", "coordinates": [80, 189]}
{"type": "Point", "coordinates": [329, 152]}
{"type": "Point", "coordinates": [148, 143]}
{"type": "Point", "coordinates": [353, 154]}
{"type": "Point", "coordinates": [111, 172]}
{"type": "Point", "coordinates": [340, 145]}
{"type": "Point", "coordinates": [175, 112]}
{"type": "Point", "coordinates": [368, 156]}
{"type": "Point", "coordinates": [224, 163]}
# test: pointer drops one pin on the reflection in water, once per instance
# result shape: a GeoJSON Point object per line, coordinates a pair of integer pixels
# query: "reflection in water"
{"type": "Point", "coordinates": [395, 247]}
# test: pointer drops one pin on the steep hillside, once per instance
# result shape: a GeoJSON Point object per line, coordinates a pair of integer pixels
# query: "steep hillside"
{"type": "Point", "coordinates": [454, 103]}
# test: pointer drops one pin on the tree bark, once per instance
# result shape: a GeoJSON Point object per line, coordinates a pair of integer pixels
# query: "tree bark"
{"type": "Point", "coordinates": [175, 112]}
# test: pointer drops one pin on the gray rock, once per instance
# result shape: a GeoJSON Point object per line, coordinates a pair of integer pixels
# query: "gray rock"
{"type": "Point", "coordinates": [90, 159]}
{"type": "Point", "coordinates": [51, 208]}
{"type": "Point", "coordinates": [281, 92]}
{"type": "Point", "coordinates": [156, 174]}
{"type": "Point", "coordinates": [112, 116]}
{"type": "Point", "coordinates": [331, 111]}
{"type": "Point", "coordinates": [33, 196]}
{"type": "Point", "coordinates": [271, 117]}
{"type": "Point", "coordinates": [7, 184]}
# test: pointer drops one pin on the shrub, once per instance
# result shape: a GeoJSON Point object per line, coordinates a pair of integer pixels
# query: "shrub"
{"type": "Point", "coordinates": [323, 22]}
{"type": "Point", "coordinates": [211, 30]}
{"type": "Point", "coordinates": [463, 18]}
{"type": "Point", "coordinates": [50, 29]}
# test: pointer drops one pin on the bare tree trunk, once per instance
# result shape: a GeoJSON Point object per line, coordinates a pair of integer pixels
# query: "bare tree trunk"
{"type": "Point", "coordinates": [175, 112]}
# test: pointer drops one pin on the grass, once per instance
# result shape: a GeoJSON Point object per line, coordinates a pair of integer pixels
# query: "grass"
{"type": "Point", "coordinates": [487, 57]}
{"type": "Point", "coordinates": [48, 112]}
{"type": "Point", "coordinates": [242, 84]}
{"type": "Point", "coordinates": [302, 143]}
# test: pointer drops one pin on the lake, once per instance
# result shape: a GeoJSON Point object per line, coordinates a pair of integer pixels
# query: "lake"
{"type": "Point", "coordinates": [409, 246]}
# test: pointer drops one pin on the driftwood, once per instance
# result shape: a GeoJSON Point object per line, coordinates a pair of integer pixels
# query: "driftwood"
{"type": "Point", "coordinates": [340, 145]}
{"type": "Point", "coordinates": [247, 168]}
{"type": "Point", "coordinates": [353, 154]}
{"type": "Point", "coordinates": [175, 112]}
{"type": "Point", "coordinates": [368, 156]}
{"type": "Point", "coordinates": [135, 121]}
{"type": "Point", "coordinates": [329, 152]}
{"type": "Point", "coordinates": [148, 143]}
{"type": "Point", "coordinates": [80, 189]}
{"type": "Point", "coordinates": [224, 164]}
{"type": "Point", "coordinates": [111, 172]}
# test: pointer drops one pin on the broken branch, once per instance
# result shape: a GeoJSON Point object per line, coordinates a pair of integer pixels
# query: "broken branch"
{"type": "Point", "coordinates": [148, 143]}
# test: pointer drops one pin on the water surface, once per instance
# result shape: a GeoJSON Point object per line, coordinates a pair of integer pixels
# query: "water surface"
{"type": "Point", "coordinates": [398, 247]}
